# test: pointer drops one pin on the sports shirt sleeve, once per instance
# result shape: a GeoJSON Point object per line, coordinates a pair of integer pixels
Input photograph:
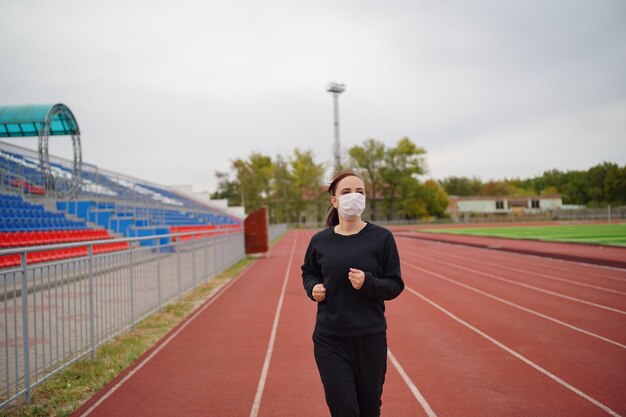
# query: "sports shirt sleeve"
{"type": "Point", "coordinates": [311, 272]}
{"type": "Point", "coordinates": [389, 285]}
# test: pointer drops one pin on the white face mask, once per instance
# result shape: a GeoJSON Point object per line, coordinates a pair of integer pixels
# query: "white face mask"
{"type": "Point", "coordinates": [351, 205]}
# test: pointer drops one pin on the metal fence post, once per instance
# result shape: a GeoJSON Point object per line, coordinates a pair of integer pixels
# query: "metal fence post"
{"type": "Point", "coordinates": [193, 262]}
{"type": "Point", "coordinates": [178, 245]}
{"type": "Point", "coordinates": [222, 252]}
{"type": "Point", "coordinates": [25, 334]}
{"type": "Point", "coordinates": [206, 257]}
{"type": "Point", "coordinates": [92, 320]}
{"type": "Point", "coordinates": [230, 249]}
{"type": "Point", "coordinates": [159, 271]}
{"type": "Point", "coordinates": [214, 255]}
{"type": "Point", "coordinates": [131, 288]}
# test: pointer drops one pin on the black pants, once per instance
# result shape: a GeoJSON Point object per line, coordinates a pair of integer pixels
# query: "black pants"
{"type": "Point", "coordinates": [353, 372]}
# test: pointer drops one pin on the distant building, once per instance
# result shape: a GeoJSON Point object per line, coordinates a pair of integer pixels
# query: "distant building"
{"type": "Point", "coordinates": [460, 206]}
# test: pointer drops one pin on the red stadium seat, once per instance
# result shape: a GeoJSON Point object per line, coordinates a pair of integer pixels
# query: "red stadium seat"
{"type": "Point", "coordinates": [56, 236]}
{"type": "Point", "coordinates": [4, 240]}
{"type": "Point", "coordinates": [65, 236]}
{"type": "Point", "coordinates": [9, 261]}
{"type": "Point", "coordinates": [20, 239]}
{"type": "Point", "coordinates": [48, 237]}
{"type": "Point", "coordinates": [73, 236]}
{"type": "Point", "coordinates": [37, 238]}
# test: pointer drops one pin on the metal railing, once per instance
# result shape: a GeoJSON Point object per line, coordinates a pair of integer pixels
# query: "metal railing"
{"type": "Point", "coordinates": [277, 230]}
{"type": "Point", "coordinates": [55, 313]}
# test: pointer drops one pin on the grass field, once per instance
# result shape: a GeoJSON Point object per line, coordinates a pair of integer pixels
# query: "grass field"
{"type": "Point", "coordinates": [604, 234]}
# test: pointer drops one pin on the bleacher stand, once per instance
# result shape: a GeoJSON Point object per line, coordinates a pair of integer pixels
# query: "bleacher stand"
{"type": "Point", "coordinates": [109, 205]}
{"type": "Point", "coordinates": [27, 224]}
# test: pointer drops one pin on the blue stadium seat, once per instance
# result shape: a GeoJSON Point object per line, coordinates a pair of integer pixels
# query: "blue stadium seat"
{"type": "Point", "coordinates": [119, 204]}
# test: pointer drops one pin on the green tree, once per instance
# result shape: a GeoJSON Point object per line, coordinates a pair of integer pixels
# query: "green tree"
{"type": "Point", "coordinates": [282, 192]}
{"type": "Point", "coordinates": [497, 188]}
{"type": "Point", "coordinates": [436, 198]}
{"type": "Point", "coordinates": [254, 176]}
{"type": "Point", "coordinates": [600, 185]}
{"type": "Point", "coordinates": [411, 203]}
{"type": "Point", "coordinates": [368, 161]}
{"type": "Point", "coordinates": [462, 186]}
{"type": "Point", "coordinates": [594, 180]}
{"type": "Point", "coordinates": [553, 180]}
{"type": "Point", "coordinates": [227, 189]}
{"type": "Point", "coordinates": [403, 163]}
{"type": "Point", "coordinates": [550, 190]}
{"type": "Point", "coordinates": [522, 186]}
{"type": "Point", "coordinates": [307, 180]}
{"type": "Point", "coordinates": [573, 188]}
{"type": "Point", "coordinates": [425, 200]}
{"type": "Point", "coordinates": [615, 185]}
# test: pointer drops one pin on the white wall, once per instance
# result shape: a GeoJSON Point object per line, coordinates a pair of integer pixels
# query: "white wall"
{"type": "Point", "coordinates": [489, 206]}
{"type": "Point", "coordinates": [477, 206]}
{"type": "Point", "coordinates": [550, 203]}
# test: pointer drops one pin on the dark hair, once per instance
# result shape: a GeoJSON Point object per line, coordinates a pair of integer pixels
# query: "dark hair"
{"type": "Point", "coordinates": [333, 214]}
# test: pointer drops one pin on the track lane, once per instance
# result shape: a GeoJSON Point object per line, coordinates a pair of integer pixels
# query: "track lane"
{"type": "Point", "coordinates": [458, 372]}
{"type": "Point", "coordinates": [491, 262]}
{"type": "Point", "coordinates": [293, 386]}
{"type": "Point", "coordinates": [479, 264]}
{"type": "Point", "coordinates": [602, 322]}
{"type": "Point", "coordinates": [564, 267]}
{"type": "Point", "coordinates": [512, 304]}
{"type": "Point", "coordinates": [615, 287]}
{"type": "Point", "coordinates": [462, 374]}
{"type": "Point", "coordinates": [270, 348]}
{"type": "Point", "coordinates": [595, 367]}
{"type": "Point", "coordinates": [604, 301]}
{"type": "Point", "coordinates": [212, 367]}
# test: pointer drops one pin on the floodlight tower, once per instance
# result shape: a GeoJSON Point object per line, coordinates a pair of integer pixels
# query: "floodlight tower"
{"type": "Point", "coordinates": [335, 89]}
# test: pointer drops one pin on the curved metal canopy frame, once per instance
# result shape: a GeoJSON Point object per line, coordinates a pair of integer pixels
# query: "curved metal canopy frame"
{"type": "Point", "coordinates": [45, 121]}
{"type": "Point", "coordinates": [62, 187]}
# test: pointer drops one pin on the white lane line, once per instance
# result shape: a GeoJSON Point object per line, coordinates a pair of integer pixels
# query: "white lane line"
{"type": "Point", "coordinates": [270, 347]}
{"type": "Point", "coordinates": [165, 343]}
{"type": "Point", "coordinates": [538, 274]}
{"type": "Point", "coordinates": [407, 380]}
{"type": "Point", "coordinates": [517, 355]}
{"type": "Point", "coordinates": [532, 287]}
{"type": "Point", "coordinates": [528, 310]}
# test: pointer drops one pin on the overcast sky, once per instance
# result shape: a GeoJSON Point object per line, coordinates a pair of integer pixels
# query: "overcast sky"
{"type": "Point", "coordinates": [171, 91]}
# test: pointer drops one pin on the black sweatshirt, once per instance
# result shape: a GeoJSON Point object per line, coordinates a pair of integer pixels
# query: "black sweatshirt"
{"type": "Point", "coordinates": [346, 311]}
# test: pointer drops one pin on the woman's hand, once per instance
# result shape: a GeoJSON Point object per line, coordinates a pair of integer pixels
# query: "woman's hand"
{"type": "Point", "coordinates": [319, 292]}
{"type": "Point", "coordinates": [356, 277]}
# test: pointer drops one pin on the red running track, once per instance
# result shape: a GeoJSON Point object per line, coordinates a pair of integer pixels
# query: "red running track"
{"type": "Point", "coordinates": [595, 254]}
{"type": "Point", "coordinates": [477, 332]}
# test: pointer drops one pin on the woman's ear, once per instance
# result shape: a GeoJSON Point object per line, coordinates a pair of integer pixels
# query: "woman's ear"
{"type": "Point", "coordinates": [333, 201]}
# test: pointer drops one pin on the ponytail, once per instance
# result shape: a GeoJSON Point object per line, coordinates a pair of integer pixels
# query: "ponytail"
{"type": "Point", "coordinates": [333, 217]}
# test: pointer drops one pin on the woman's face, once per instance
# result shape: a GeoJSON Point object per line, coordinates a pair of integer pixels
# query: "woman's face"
{"type": "Point", "coordinates": [347, 185]}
